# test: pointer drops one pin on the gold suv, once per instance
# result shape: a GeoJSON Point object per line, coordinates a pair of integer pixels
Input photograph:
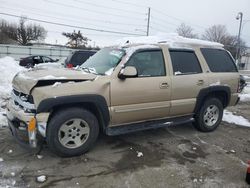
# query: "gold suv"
{"type": "Point", "coordinates": [122, 89]}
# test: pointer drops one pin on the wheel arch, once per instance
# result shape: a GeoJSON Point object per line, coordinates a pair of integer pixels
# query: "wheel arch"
{"type": "Point", "coordinates": [223, 93]}
{"type": "Point", "coordinates": [94, 103]}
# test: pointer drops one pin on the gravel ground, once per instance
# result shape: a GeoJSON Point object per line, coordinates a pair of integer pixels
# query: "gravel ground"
{"type": "Point", "coordinates": [177, 156]}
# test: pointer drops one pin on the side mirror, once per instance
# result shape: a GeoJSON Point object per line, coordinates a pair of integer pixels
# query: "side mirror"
{"type": "Point", "coordinates": [128, 72]}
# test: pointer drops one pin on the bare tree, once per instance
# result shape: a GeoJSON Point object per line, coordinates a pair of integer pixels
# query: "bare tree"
{"type": "Point", "coordinates": [24, 33]}
{"type": "Point", "coordinates": [219, 33]}
{"type": "Point", "coordinates": [186, 31]}
{"type": "Point", "coordinates": [4, 39]}
{"type": "Point", "coordinates": [76, 39]}
{"type": "Point", "coordinates": [216, 33]}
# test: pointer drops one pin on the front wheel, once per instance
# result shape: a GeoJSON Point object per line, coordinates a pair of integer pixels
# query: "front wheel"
{"type": "Point", "coordinates": [209, 116]}
{"type": "Point", "coordinates": [72, 132]}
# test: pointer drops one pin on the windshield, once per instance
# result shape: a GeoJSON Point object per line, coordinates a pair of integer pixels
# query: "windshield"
{"type": "Point", "coordinates": [104, 61]}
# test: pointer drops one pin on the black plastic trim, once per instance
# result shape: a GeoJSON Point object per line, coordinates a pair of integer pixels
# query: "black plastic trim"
{"type": "Point", "coordinates": [98, 100]}
{"type": "Point", "coordinates": [210, 90]}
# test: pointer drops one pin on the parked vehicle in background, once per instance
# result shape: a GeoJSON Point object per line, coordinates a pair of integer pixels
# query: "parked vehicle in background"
{"type": "Point", "coordinates": [243, 83]}
{"type": "Point", "coordinates": [78, 57]}
{"type": "Point", "coordinates": [31, 61]}
{"type": "Point", "coordinates": [123, 89]}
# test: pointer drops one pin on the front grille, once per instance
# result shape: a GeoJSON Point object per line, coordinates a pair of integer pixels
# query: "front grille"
{"type": "Point", "coordinates": [24, 101]}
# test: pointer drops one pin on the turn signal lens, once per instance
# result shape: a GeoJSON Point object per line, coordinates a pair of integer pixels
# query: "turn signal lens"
{"type": "Point", "coordinates": [32, 124]}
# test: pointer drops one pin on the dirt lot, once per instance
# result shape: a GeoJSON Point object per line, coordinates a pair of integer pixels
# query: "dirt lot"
{"type": "Point", "coordinates": [177, 156]}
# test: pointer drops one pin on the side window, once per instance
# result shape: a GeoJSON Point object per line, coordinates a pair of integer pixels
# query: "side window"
{"type": "Point", "coordinates": [46, 59]}
{"type": "Point", "coordinates": [184, 62]}
{"type": "Point", "coordinates": [37, 59]}
{"type": "Point", "coordinates": [218, 60]}
{"type": "Point", "coordinates": [148, 63]}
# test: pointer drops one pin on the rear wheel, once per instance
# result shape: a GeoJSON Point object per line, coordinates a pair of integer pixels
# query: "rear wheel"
{"type": "Point", "coordinates": [72, 132]}
{"type": "Point", "coordinates": [209, 116]}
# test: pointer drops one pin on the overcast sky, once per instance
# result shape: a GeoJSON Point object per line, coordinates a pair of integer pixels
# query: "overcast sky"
{"type": "Point", "coordinates": [129, 16]}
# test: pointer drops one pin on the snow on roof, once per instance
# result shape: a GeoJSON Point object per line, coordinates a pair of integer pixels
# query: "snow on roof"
{"type": "Point", "coordinates": [171, 39]}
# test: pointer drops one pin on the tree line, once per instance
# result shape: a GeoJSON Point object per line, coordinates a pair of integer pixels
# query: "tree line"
{"type": "Point", "coordinates": [24, 33]}
{"type": "Point", "coordinates": [215, 33]}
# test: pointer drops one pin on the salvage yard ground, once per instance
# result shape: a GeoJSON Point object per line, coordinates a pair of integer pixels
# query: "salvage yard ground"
{"type": "Point", "coordinates": [177, 156]}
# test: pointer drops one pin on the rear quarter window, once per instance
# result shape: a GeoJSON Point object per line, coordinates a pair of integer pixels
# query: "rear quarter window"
{"type": "Point", "coordinates": [219, 60]}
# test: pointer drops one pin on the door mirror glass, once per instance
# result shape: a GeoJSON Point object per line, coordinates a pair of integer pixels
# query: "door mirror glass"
{"type": "Point", "coordinates": [128, 72]}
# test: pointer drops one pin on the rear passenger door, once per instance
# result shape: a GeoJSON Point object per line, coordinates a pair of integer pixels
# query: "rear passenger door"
{"type": "Point", "coordinates": [187, 80]}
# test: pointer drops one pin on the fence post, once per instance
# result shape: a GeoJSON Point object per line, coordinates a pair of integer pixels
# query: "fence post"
{"type": "Point", "coordinates": [7, 50]}
{"type": "Point", "coordinates": [60, 50]}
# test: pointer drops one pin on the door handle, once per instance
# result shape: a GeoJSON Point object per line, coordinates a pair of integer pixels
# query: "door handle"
{"type": "Point", "coordinates": [200, 82]}
{"type": "Point", "coordinates": [164, 85]}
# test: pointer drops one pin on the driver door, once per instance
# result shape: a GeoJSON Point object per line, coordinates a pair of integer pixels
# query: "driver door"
{"type": "Point", "coordinates": [146, 97]}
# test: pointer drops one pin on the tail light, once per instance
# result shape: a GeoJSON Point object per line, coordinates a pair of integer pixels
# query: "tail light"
{"type": "Point", "coordinates": [239, 87]}
{"type": "Point", "coordinates": [69, 66]}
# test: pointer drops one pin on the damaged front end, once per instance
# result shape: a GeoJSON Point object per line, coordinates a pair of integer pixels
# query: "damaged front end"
{"type": "Point", "coordinates": [21, 115]}
{"type": "Point", "coordinates": [26, 124]}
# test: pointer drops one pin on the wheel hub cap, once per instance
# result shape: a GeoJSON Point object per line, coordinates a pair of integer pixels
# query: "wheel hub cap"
{"type": "Point", "coordinates": [211, 115]}
{"type": "Point", "coordinates": [73, 133]}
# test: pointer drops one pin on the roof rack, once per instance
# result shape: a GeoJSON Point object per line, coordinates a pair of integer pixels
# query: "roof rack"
{"type": "Point", "coordinates": [170, 39]}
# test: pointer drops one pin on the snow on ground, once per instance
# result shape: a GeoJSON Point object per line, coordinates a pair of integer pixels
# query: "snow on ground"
{"type": "Point", "coordinates": [238, 120]}
{"type": "Point", "coordinates": [8, 69]}
{"type": "Point", "coordinates": [245, 95]}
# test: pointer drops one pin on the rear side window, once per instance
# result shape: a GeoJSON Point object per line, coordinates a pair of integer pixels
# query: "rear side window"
{"type": "Point", "coordinates": [184, 62]}
{"type": "Point", "coordinates": [218, 60]}
{"type": "Point", "coordinates": [79, 58]}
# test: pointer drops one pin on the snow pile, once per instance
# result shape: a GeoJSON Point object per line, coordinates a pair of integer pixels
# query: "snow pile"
{"type": "Point", "coordinates": [48, 66]}
{"type": "Point", "coordinates": [8, 68]}
{"type": "Point", "coordinates": [172, 39]}
{"type": "Point", "coordinates": [245, 95]}
{"type": "Point", "coordinates": [41, 179]}
{"type": "Point", "coordinates": [238, 120]}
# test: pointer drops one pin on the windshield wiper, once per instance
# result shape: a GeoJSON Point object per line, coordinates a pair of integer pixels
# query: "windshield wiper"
{"type": "Point", "coordinates": [90, 70]}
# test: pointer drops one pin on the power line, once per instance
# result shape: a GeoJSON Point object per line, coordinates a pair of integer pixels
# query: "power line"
{"type": "Point", "coordinates": [63, 18]}
{"type": "Point", "coordinates": [175, 18]}
{"type": "Point", "coordinates": [112, 8]}
{"type": "Point", "coordinates": [128, 3]}
{"type": "Point", "coordinates": [72, 26]}
{"type": "Point", "coordinates": [87, 34]}
{"type": "Point", "coordinates": [92, 11]}
{"type": "Point", "coordinates": [68, 15]}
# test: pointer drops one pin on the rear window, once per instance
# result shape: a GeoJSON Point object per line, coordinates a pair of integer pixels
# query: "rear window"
{"type": "Point", "coordinates": [184, 62]}
{"type": "Point", "coordinates": [218, 60]}
{"type": "Point", "coordinates": [80, 57]}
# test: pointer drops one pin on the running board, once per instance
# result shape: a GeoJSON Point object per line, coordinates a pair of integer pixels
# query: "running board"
{"type": "Point", "coordinates": [124, 129]}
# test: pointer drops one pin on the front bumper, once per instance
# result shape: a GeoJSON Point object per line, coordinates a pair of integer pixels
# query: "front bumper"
{"type": "Point", "coordinates": [18, 121]}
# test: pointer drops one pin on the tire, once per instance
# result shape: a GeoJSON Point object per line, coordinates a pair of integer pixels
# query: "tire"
{"type": "Point", "coordinates": [209, 117]}
{"type": "Point", "coordinates": [72, 132]}
{"type": "Point", "coordinates": [29, 65]}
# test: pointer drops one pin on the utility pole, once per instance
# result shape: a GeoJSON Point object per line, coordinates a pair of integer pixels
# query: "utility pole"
{"type": "Point", "coordinates": [148, 21]}
{"type": "Point", "coordinates": [239, 17]}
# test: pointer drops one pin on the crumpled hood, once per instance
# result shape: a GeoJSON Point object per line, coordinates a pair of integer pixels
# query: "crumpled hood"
{"type": "Point", "coordinates": [26, 80]}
